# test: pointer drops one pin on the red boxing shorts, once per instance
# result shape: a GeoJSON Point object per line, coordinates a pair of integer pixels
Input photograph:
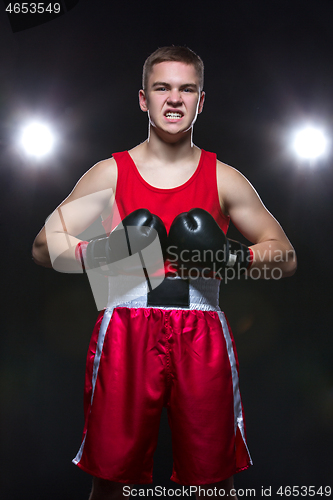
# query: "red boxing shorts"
{"type": "Point", "coordinates": [143, 358]}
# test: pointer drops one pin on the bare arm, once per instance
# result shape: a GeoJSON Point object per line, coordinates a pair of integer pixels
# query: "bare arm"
{"type": "Point", "coordinates": [271, 248]}
{"type": "Point", "coordinates": [54, 246]}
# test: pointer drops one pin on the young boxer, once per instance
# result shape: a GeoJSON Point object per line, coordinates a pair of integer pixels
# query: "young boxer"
{"type": "Point", "coordinates": [170, 345]}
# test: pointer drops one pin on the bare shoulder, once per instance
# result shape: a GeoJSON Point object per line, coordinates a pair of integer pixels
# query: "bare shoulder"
{"type": "Point", "coordinates": [233, 187]}
{"type": "Point", "coordinates": [230, 176]}
{"type": "Point", "coordinates": [101, 177]}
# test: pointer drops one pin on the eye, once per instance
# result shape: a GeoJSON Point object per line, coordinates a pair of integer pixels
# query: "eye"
{"type": "Point", "coordinates": [161, 89]}
{"type": "Point", "coordinates": [188, 89]}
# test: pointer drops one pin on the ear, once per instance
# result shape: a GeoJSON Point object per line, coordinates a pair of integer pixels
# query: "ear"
{"type": "Point", "coordinates": [201, 101]}
{"type": "Point", "coordinates": [143, 100]}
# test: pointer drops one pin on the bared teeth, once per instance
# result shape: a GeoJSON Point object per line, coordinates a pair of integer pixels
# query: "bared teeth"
{"type": "Point", "coordinates": [173, 116]}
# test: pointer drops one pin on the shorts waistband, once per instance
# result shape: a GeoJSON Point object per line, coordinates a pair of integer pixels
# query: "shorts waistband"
{"type": "Point", "coordinates": [125, 292]}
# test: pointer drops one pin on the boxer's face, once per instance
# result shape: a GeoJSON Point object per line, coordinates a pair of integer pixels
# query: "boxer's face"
{"type": "Point", "coordinates": [173, 97]}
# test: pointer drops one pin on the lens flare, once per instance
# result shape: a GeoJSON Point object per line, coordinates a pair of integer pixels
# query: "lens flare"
{"type": "Point", "coordinates": [37, 139]}
{"type": "Point", "coordinates": [310, 143]}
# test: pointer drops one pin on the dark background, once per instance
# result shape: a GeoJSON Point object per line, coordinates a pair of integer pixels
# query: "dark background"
{"type": "Point", "coordinates": [269, 69]}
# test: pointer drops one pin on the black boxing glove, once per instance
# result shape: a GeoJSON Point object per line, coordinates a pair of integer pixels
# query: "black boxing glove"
{"type": "Point", "coordinates": [196, 241]}
{"type": "Point", "coordinates": [135, 233]}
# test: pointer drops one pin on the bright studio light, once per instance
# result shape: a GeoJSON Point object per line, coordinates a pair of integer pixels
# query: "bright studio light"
{"type": "Point", "coordinates": [37, 139]}
{"type": "Point", "coordinates": [310, 143]}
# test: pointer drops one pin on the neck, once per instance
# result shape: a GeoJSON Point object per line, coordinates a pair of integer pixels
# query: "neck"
{"type": "Point", "coordinates": [171, 148]}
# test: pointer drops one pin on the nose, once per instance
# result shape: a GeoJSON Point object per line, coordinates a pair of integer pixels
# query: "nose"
{"type": "Point", "coordinates": [174, 97]}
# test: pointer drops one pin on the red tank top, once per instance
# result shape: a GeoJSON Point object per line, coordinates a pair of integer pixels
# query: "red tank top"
{"type": "Point", "coordinates": [133, 192]}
